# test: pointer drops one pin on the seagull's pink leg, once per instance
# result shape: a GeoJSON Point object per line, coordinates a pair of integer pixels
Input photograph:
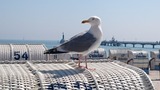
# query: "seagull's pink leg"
{"type": "Point", "coordinates": [86, 62]}
{"type": "Point", "coordinates": [79, 61]}
{"type": "Point", "coordinates": [92, 69]}
{"type": "Point", "coordinates": [79, 58]}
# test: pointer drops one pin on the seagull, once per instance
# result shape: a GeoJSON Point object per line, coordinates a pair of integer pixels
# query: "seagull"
{"type": "Point", "coordinates": [82, 43]}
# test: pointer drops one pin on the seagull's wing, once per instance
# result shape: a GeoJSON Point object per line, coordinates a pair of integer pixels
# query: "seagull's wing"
{"type": "Point", "coordinates": [78, 43]}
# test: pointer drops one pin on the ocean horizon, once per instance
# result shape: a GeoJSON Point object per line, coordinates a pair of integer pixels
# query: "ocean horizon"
{"type": "Point", "coordinates": [47, 43]}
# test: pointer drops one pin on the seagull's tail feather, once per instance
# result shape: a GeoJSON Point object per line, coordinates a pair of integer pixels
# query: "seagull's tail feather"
{"type": "Point", "coordinates": [53, 51]}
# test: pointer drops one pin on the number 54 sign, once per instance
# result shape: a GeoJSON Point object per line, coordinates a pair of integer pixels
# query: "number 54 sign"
{"type": "Point", "coordinates": [18, 55]}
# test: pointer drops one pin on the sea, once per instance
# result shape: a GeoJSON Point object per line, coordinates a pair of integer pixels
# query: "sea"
{"type": "Point", "coordinates": [52, 43]}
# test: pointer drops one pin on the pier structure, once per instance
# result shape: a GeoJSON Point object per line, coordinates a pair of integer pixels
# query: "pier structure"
{"type": "Point", "coordinates": [125, 43]}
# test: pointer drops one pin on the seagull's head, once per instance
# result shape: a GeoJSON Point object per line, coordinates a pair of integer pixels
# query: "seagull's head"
{"type": "Point", "coordinates": [93, 20]}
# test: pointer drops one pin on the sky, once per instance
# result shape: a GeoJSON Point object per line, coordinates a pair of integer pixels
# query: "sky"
{"type": "Point", "coordinates": [126, 20]}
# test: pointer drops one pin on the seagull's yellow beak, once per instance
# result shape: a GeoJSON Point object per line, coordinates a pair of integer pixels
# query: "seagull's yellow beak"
{"type": "Point", "coordinates": [85, 21]}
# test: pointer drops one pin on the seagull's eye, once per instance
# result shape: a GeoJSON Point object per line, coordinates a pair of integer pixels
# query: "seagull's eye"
{"type": "Point", "coordinates": [93, 18]}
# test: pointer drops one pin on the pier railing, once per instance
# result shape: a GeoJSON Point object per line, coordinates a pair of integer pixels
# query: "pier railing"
{"type": "Point", "coordinates": [125, 43]}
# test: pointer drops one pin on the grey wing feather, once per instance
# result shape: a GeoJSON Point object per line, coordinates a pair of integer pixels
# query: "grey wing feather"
{"type": "Point", "coordinates": [79, 43]}
{"type": "Point", "coordinates": [80, 34]}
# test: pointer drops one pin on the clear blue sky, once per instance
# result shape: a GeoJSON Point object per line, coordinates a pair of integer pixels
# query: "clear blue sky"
{"type": "Point", "coordinates": [46, 19]}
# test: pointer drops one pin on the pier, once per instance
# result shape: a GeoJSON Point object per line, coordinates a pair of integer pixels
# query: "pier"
{"type": "Point", "coordinates": [114, 42]}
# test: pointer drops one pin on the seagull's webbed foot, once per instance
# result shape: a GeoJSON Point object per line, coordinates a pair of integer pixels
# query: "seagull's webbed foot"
{"type": "Point", "coordinates": [91, 69]}
{"type": "Point", "coordinates": [84, 67]}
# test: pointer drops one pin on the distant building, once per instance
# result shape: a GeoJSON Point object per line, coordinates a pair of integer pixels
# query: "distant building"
{"type": "Point", "coordinates": [62, 40]}
{"type": "Point", "coordinates": [112, 42]}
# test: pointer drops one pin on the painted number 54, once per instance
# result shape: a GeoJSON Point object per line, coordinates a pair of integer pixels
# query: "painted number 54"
{"type": "Point", "coordinates": [17, 55]}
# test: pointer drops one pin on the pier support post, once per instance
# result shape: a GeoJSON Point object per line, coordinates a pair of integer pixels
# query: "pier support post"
{"type": "Point", "coordinates": [125, 45]}
{"type": "Point", "coordinates": [153, 46]}
{"type": "Point", "coordinates": [133, 45]}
